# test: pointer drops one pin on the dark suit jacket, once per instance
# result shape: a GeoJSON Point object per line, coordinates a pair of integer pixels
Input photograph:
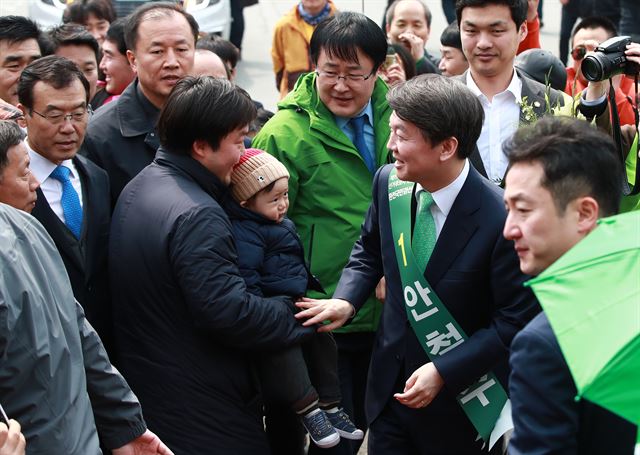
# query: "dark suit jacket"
{"type": "Point", "coordinates": [534, 92]}
{"type": "Point", "coordinates": [546, 417]}
{"type": "Point", "coordinates": [86, 258]}
{"type": "Point", "coordinates": [476, 274]}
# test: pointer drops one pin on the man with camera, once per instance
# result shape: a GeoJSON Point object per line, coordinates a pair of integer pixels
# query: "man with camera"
{"type": "Point", "coordinates": [587, 36]}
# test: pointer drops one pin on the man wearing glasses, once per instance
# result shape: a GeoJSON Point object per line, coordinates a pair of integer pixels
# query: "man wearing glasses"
{"type": "Point", "coordinates": [73, 199]}
{"type": "Point", "coordinates": [331, 134]}
{"type": "Point", "coordinates": [587, 35]}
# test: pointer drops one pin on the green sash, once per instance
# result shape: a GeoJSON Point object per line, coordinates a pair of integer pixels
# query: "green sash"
{"type": "Point", "coordinates": [435, 328]}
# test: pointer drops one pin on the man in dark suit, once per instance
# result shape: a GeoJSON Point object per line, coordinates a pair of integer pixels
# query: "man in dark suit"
{"type": "Point", "coordinates": [553, 204]}
{"type": "Point", "coordinates": [411, 401]}
{"type": "Point", "coordinates": [73, 199]}
{"type": "Point", "coordinates": [491, 31]}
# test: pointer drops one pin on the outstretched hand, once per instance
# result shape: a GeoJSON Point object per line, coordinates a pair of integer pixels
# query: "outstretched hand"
{"type": "Point", "coordinates": [336, 311]}
{"type": "Point", "coordinates": [147, 444]}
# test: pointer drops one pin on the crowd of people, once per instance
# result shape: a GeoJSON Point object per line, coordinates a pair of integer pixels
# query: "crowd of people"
{"type": "Point", "coordinates": [186, 272]}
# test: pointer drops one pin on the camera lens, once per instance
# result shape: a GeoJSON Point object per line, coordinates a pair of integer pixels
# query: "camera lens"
{"type": "Point", "coordinates": [592, 68]}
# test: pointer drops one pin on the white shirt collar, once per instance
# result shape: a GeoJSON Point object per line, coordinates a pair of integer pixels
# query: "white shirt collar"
{"type": "Point", "coordinates": [515, 86]}
{"type": "Point", "coordinates": [42, 167]}
{"type": "Point", "coordinates": [445, 197]}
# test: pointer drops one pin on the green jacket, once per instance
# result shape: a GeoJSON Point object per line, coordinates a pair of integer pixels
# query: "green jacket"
{"type": "Point", "coordinates": [330, 185]}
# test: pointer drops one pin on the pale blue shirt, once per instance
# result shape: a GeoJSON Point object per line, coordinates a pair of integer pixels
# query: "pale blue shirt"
{"type": "Point", "coordinates": [369, 133]}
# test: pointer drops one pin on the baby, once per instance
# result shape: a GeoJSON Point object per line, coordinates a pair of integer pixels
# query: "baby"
{"type": "Point", "coordinates": [271, 260]}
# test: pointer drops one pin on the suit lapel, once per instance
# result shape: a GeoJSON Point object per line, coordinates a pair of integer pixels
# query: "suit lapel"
{"type": "Point", "coordinates": [457, 230]}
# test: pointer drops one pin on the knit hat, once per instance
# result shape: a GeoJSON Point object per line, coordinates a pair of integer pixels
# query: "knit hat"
{"type": "Point", "coordinates": [255, 171]}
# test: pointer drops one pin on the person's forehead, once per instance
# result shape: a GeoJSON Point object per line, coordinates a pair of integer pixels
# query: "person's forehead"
{"type": "Point", "coordinates": [28, 46]}
{"type": "Point", "coordinates": [47, 95]}
{"type": "Point", "coordinates": [597, 34]}
{"type": "Point", "coordinates": [486, 15]}
{"type": "Point", "coordinates": [327, 58]}
{"type": "Point", "coordinates": [78, 51]}
{"type": "Point", "coordinates": [154, 23]}
{"type": "Point", "coordinates": [18, 154]}
{"type": "Point", "coordinates": [409, 10]}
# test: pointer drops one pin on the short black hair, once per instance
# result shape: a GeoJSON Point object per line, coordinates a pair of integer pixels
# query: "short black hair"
{"type": "Point", "coordinates": [151, 10]}
{"type": "Point", "coordinates": [72, 35]}
{"type": "Point", "coordinates": [10, 135]}
{"type": "Point", "coordinates": [115, 34]}
{"type": "Point", "coordinates": [58, 72]}
{"type": "Point", "coordinates": [592, 22]}
{"type": "Point", "coordinates": [203, 108]}
{"type": "Point", "coordinates": [577, 159]}
{"type": "Point", "coordinates": [392, 9]}
{"type": "Point", "coordinates": [453, 110]}
{"type": "Point", "coordinates": [344, 33]}
{"type": "Point", "coordinates": [78, 12]}
{"type": "Point", "coordinates": [518, 8]}
{"type": "Point", "coordinates": [223, 48]}
{"type": "Point", "coordinates": [451, 36]}
{"type": "Point", "coordinates": [408, 63]}
{"type": "Point", "coordinates": [16, 29]}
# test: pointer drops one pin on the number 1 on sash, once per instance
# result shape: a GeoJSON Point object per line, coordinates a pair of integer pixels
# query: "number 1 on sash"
{"type": "Point", "coordinates": [401, 243]}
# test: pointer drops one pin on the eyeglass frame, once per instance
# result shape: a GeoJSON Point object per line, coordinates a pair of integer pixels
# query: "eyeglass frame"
{"type": "Point", "coordinates": [64, 117]}
{"type": "Point", "coordinates": [334, 80]}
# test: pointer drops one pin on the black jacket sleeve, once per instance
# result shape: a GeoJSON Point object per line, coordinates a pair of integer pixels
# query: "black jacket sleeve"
{"type": "Point", "coordinates": [215, 292]}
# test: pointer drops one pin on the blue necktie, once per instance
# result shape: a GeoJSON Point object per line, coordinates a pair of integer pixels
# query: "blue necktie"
{"type": "Point", "coordinates": [70, 201]}
{"type": "Point", "coordinates": [424, 231]}
{"type": "Point", "coordinates": [361, 144]}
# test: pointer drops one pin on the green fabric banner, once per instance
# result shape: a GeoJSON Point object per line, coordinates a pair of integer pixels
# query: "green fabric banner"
{"type": "Point", "coordinates": [433, 325]}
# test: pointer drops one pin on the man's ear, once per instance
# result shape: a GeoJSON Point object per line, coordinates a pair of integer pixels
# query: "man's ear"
{"type": "Point", "coordinates": [132, 60]}
{"type": "Point", "coordinates": [522, 32]}
{"type": "Point", "coordinates": [588, 211]}
{"type": "Point", "coordinates": [243, 203]}
{"type": "Point", "coordinates": [199, 149]}
{"type": "Point", "coordinates": [449, 148]}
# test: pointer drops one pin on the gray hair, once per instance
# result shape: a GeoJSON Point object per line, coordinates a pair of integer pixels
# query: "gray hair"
{"type": "Point", "coordinates": [441, 108]}
{"type": "Point", "coordinates": [10, 135]}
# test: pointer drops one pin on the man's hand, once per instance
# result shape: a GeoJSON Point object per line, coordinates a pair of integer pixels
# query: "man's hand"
{"type": "Point", "coordinates": [392, 75]}
{"type": "Point", "coordinates": [413, 43]}
{"type": "Point", "coordinates": [147, 444]}
{"type": "Point", "coordinates": [336, 311]}
{"type": "Point", "coordinates": [12, 442]}
{"type": "Point", "coordinates": [421, 388]}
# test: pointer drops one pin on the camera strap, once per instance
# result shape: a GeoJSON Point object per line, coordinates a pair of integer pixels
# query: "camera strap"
{"type": "Point", "coordinates": [617, 137]}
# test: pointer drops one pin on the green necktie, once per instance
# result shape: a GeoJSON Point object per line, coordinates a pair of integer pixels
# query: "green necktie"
{"type": "Point", "coordinates": [424, 231]}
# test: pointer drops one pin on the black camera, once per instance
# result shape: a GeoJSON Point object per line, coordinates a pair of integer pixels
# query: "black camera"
{"type": "Point", "coordinates": [609, 60]}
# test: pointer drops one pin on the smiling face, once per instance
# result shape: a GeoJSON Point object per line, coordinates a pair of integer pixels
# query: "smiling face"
{"type": "Point", "coordinates": [540, 233]}
{"type": "Point", "coordinates": [56, 142]}
{"type": "Point", "coordinates": [416, 159]}
{"type": "Point", "coordinates": [14, 57]}
{"type": "Point", "coordinates": [220, 161]}
{"type": "Point", "coordinates": [271, 203]}
{"type": "Point", "coordinates": [490, 39]}
{"type": "Point", "coordinates": [343, 97]}
{"type": "Point", "coordinates": [97, 27]}
{"type": "Point", "coordinates": [17, 184]}
{"type": "Point", "coordinates": [163, 54]}
{"type": "Point", "coordinates": [115, 66]}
